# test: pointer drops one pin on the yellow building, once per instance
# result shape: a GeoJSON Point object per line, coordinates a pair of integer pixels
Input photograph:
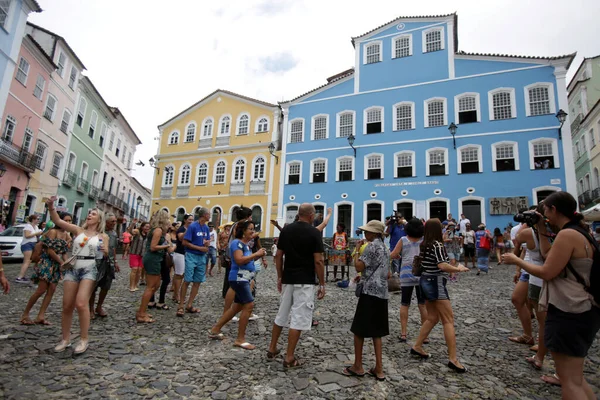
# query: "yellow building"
{"type": "Point", "coordinates": [215, 154]}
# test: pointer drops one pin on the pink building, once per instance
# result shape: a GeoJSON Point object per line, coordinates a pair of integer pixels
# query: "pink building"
{"type": "Point", "coordinates": [28, 102]}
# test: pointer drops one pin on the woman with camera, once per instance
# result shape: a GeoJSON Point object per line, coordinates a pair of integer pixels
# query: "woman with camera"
{"type": "Point", "coordinates": [573, 316]}
{"type": "Point", "coordinates": [435, 266]}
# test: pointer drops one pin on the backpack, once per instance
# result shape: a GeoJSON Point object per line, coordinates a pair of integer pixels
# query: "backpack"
{"type": "Point", "coordinates": [594, 287]}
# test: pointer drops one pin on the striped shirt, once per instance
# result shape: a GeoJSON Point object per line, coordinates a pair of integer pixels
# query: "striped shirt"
{"type": "Point", "coordinates": [136, 247]}
{"type": "Point", "coordinates": [434, 254]}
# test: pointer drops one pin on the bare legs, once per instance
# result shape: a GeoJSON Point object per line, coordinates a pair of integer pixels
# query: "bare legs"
{"type": "Point", "coordinates": [519, 300]}
{"type": "Point", "coordinates": [43, 287]}
{"type": "Point", "coordinates": [229, 297]}
{"type": "Point", "coordinates": [293, 337]}
{"type": "Point", "coordinates": [404, 317]}
{"type": "Point", "coordinates": [76, 296]}
{"type": "Point", "coordinates": [358, 356]}
{"type": "Point", "coordinates": [570, 370]}
{"type": "Point", "coordinates": [26, 262]}
{"type": "Point", "coordinates": [151, 287]}
{"type": "Point", "coordinates": [177, 281]}
{"type": "Point", "coordinates": [246, 310]}
{"type": "Point", "coordinates": [134, 278]}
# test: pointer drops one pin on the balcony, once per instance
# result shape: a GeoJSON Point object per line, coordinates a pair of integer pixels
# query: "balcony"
{"type": "Point", "coordinates": [132, 212]}
{"type": "Point", "coordinates": [587, 196]}
{"type": "Point", "coordinates": [576, 123]}
{"type": "Point", "coordinates": [223, 141]}
{"type": "Point", "coordinates": [205, 143]}
{"type": "Point", "coordinates": [93, 193]}
{"type": "Point", "coordinates": [112, 199]}
{"type": "Point", "coordinates": [596, 194]}
{"type": "Point", "coordinates": [183, 191]}
{"type": "Point", "coordinates": [166, 192]}
{"type": "Point", "coordinates": [257, 187]}
{"type": "Point", "coordinates": [19, 157]}
{"type": "Point", "coordinates": [103, 195]}
{"type": "Point", "coordinates": [236, 189]}
{"type": "Point", "coordinates": [83, 186]}
{"type": "Point", "coordinates": [70, 178]}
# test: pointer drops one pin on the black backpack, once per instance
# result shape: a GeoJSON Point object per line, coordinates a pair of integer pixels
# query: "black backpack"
{"type": "Point", "coordinates": [594, 287]}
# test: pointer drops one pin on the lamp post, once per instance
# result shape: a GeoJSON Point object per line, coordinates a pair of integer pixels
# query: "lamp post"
{"type": "Point", "coordinates": [272, 151]}
{"type": "Point", "coordinates": [561, 115]}
{"type": "Point", "coordinates": [351, 139]}
{"type": "Point", "coordinates": [452, 129]}
{"type": "Point", "coordinates": [153, 163]}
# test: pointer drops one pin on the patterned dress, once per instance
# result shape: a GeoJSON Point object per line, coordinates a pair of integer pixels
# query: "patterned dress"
{"type": "Point", "coordinates": [47, 269]}
{"type": "Point", "coordinates": [340, 243]}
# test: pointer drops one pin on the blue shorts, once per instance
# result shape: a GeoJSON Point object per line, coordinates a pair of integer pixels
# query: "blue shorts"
{"type": "Point", "coordinates": [434, 287]}
{"type": "Point", "coordinates": [243, 294]}
{"type": "Point", "coordinates": [524, 277]}
{"type": "Point", "coordinates": [28, 246]}
{"type": "Point", "coordinates": [83, 269]}
{"type": "Point", "coordinates": [195, 268]}
{"type": "Point", "coordinates": [212, 256]}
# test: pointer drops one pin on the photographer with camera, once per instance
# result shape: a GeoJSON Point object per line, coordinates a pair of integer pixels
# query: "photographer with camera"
{"type": "Point", "coordinates": [395, 230]}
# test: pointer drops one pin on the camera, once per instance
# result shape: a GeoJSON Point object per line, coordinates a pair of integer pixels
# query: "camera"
{"type": "Point", "coordinates": [358, 232]}
{"type": "Point", "coordinates": [395, 217]}
{"type": "Point", "coordinates": [528, 217]}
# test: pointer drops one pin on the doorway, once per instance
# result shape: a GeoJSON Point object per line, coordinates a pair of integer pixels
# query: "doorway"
{"type": "Point", "coordinates": [472, 210]}
{"type": "Point", "coordinates": [257, 218]}
{"type": "Point", "coordinates": [438, 209]}
{"type": "Point", "coordinates": [406, 209]}
{"type": "Point", "coordinates": [180, 214]}
{"type": "Point", "coordinates": [344, 216]}
{"type": "Point", "coordinates": [29, 205]}
{"type": "Point", "coordinates": [290, 214]}
{"type": "Point", "coordinates": [374, 212]}
{"type": "Point", "coordinates": [216, 216]}
{"type": "Point", "coordinates": [542, 194]}
{"type": "Point", "coordinates": [77, 212]}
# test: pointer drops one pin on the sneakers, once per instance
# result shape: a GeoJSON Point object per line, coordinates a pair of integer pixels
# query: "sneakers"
{"type": "Point", "coordinates": [22, 280]}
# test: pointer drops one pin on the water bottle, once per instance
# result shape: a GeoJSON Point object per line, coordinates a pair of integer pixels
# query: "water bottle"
{"type": "Point", "coordinates": [99, 252]}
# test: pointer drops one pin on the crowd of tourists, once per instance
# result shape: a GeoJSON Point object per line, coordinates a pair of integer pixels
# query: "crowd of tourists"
{"type": "Point", "coordinates": [556, 282]}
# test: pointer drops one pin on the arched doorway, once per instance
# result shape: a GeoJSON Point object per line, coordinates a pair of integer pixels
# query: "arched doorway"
{"type": "Point", "coordinates": [234, 213]}
{"type": "Point", "coordinates": [542, 194]}
{"type": "Point", "coordinates": [406, 209]}
{"type": "Point", "coordinates": [180, 214]}
{"type": "Point", "coordinates": [438, 209]}
{"type": "Point", "coordinates": [344, 216]}
{"type": "Point", "coordinates": [472, 210]}
{"type": "Point", "coordinates": [216, 216]}
{"type": "Point", "coordinates": [257, 217]}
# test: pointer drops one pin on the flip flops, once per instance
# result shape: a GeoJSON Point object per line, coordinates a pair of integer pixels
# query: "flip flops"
{"type": "Point", "coordinates": [216, 336]}
{"type": "Point", "coordinates": [348, 372]}
{"type": "Point", "coordinates": [522, 339]}
{"type": "Point", "coordinates": [552, 379]}
{"type": "Point", "coordinates": [421, 355]}
{"type": "Point", "coordinates": [42, 322]}
{"type": "Point", "coordinates": [192, 310]}
{"type": "Point", "coordinates": [245, 346]}
{"type": "Point", "coordinates": [295, 363]}
{"type": "Point", "coordinates": [26, 321]}
{"type": "Point", "coordinates": [374, 375]}
{"type": "Point", "coordinates": [271, 355]}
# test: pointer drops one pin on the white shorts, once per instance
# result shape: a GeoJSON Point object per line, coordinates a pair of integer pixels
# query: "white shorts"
{"type": "Point", "coordinates": [179, 262]}
{"type": "Point", "coordinates": [296, 305]}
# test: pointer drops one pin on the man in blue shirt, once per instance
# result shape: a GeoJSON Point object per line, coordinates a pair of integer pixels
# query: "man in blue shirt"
{"type": "Point", "coordinates": [196, 242]}
{"type": "Point", "coordinates": [395, 230]}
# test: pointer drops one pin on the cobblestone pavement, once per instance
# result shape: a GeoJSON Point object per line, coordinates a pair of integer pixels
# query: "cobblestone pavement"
{"type": "Point", "coordinates": [173, 358]}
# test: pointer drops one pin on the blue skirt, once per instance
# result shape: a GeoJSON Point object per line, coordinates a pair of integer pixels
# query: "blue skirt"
{"type": "Point", "coordinates": [483, 259]}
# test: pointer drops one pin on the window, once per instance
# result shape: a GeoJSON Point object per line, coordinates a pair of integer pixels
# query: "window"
{"type": "Point", "coordinates": [102, 135]}
{"type": "Point", "coordinates": [402, 46]}
{"type": "Point", "coordinates": [50, 107]}
{"type": "Point", "coordinates": [124, 154]}
{"type": "Point", "coordinates": [405, 167]}
{"type": "Point", "coordinates": [583, 146]}
{"type": "Point", "coordinates": [318, 172]}
{"type": "Point", "coordinates": [94, 181]}
{"type": "Point", "coordinates": [225, 125]}
{"type": "Point", "coordinates": [207, 128]}
{"type": "Point", "coordinates": [592, 138]}
{"type": "Point", "coordinates": [93, 122]}
{"type": "Point", "coordinates": [81, 112]}
{"type": "Point", "coordinates": [505, 156]}
{"type": "Point", "coordinates": [4, 9]}
{"type": "Point", "coordinates": [66, 120]}
{"type": "Point", "coordinates": [239, 171]}
{"type": "Point", "coordinates": [39, 87]}
{"type": "Point", "coordinates": [173, 138]}
{"type": "Point", "coordinates": [345, 123]}
{"type": "Point", "coordinates": [586, 181]}
{"type": "Point", "coordinates": [84, 171]}
{"type": "Point", "coordinates": [190, 132]}
{"type": "Point", "coordinates": [40, 154]}
{"type": "Point", "coordinates": [202, 177]}
{"type": "Point", "coordinates": [374, 120]}
{"type": "Point", "coordinates": [433, 40]}
{"type": "Point", "coordinates": [470, 159]}
{"type": "Point", "coordinates": [319, 127]}
{"type": "Point", "coordinates": [56, 164]}
{"type": "Point", "coordinates": [436, 162]}
{"type": "Point", "coordinates": [168, 175]}
{"type": "Point", "coordinates": [539, 99]}
{"type": "Point", "coordinates": [596, 179]}
{"type": "Point", "coordinates": [22, 71]}
{"type": "Point", "coordinates": [435, 112]}
{"type": "Point", "coordinates": [243, 124]}
{"type": "Point", "coordinates": [62, 62]}
{"type": "Point", "coordinates": [467, 107]}
{"type": "Point", "coordinates": [184, 175]}
{"type": "Point", "coordinates": [9, 128]}
{"type": "Point", "coordinates": [263, 125]}
{"type": "Point", "coordinates": [374, 166]}
{"type": "Point", "coordinates": [345, 168]}
{"type": "Point", "coordinates": [296, 131]}
{"type": "Point", "coordinates": [258, 174]}
{"type": "Point", "coordinates": [372, 53]}
{"type": "Point", "coordinates": [543, 154]}
{"type": "Point", "coordinates": [73, 77]}
{"type": "Point", "coordinates": [118, 148]}
{"type": "Point", "coordinates": [27, 139]}
{"type": "Point", "coordinates": [404, 116]}
{"type": "Point", "coordinates": [294, 173]}
{"type": "Point", "coordinates": [220, 172]}
{"type": "Point", "coordinates": [502, 104]}
{"type": "Point", "coordinates": [71, 162]}
{"type": "Point", "coordinates": [129, 159]}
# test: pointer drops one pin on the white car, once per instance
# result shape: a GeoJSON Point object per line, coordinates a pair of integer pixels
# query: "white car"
{"type": "Point", "coordinates": [10, 242]}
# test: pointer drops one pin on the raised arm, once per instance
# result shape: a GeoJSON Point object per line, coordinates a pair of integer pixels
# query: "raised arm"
{"type": "Point", "coordinates": [71, 228]}
{"type": "Point", "coordinates": [323, 224]}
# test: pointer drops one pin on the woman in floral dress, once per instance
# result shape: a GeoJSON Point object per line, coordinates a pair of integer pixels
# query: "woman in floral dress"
{"type": "Point", "coordinates": [340, 243]}
{"type": "Point", "coordinates": [47, 271]}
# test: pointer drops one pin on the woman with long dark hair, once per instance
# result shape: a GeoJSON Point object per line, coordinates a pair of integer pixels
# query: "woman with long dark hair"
{"type": "Point", "coordinates": [436, 266]}
{"type": "Point", "coordinates": [573, 315]}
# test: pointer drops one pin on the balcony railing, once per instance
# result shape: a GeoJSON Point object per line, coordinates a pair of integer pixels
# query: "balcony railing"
{"type": "Point", "coordinates": [576, 123]}
{"type": "Point", "coordinates": [166, 192]}
{"type": "Point", "coordinates": [223, 141]}
{"type": "Point", "coordinates": [587, 196]}
{"type": "Point", "coordinates": [183, 191]}
{"type": "Point", "coordinates": [70, 178]}
{"type": "Point", "coordinates": [93, 193]}
{"type": "Point", "coordinates": [83, 186]}
{"type": "Point", "coordinates": [18, 156]}
{"type": "Point", "coordinates": [596, 194]}
{"type": "Point", "coordinates": [205, 143]}
{"type": "Point", "coordinates": [112, 199]}
{"type": "Point", "coordinates": [103, 195]}
{"type": "Point", "coordinates": [257, 187]}
{"type": "Point", "coordinates": [236, 189]}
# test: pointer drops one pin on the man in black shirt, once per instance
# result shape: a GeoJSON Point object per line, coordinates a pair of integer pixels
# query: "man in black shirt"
{"type": "Point", "coordinates": [302, 245]}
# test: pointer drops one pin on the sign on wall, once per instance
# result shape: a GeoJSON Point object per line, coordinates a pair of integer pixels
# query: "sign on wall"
{"type": "Point", "coordinates": [507, 205]}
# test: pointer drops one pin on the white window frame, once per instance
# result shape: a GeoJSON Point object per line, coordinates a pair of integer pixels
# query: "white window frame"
{"type": "Point", "coordinates": [181, 176]}
{"type": "Point", "coordinates": [587, 183]}
{"type": "Point", "coordinates": [338, 120]}
{"type": "Point", "coordinates": [551, 100]}
{"type": "Point", "coordinates": [289, 136]}
{"type": "Point", "coordinates": [95, 176]}
{"type": "Point", "coordinates": [93, 123]}
{"type": "Point", "coordinates": [234, 168]}
{"type": "Point", "coordinates": [592, 138]}
{"type": "Point", "coordinates": [365, 111]}
{"type": "Point", "coordinates": [238, 122]}
{"type": "Point", "coordinates": [459, 156]}
{"type": "Point", "coordinates": [477, 198]}
{"type": "Point", "coordinates": [39, 87]}
{"type": "Point", "coordinates": [68, 121]}
{"type": "Point", "coordinates": [224, 172]}
{"type": "Point", "coordinates": [366, 165]}
{"type": "Point", "coordinates": [477, 105]}
{"type": "Point", "coordinates": [81, 112]}
{"type": "Point", "coordinates": [221, 122]}
{"type": "Point", "coordinates": [431, 200]}
{"type": "Point", "coordinates": [174, 134]}
{"type": "Point", "coordinates": [205, 124]}
{"type": "Point", "coordinates": [87, 170]}
{"type": "Point", "coordinates": [426, 111]}
{"type": "Point", "coordinates": [515, 153]}
{"type": "Point", "coordinates": [58, 167]}
{"type": "Point", "coordinates": [446, 159]}
{"type": "Point", "coordinates": [535, 190]}
{"type": "Point", "coordinates": [53, 113]}
{"type": "Point", "coordinates": [166, 175]}
{"type": "Point", "coordinates": [61, 67]}
{"type": "Point", "coordinates": [367, 45]}
{"type": "Point", "coordinates": [412, 115]}
{"type": "Point", "coordinates": [185, 136]}
{"type": "Point", "coordinates": [198, 173]}
{"type": "Point", "coordinates": [554, 151]}
{"type": "Point", "coordinates": [312, 168]}
{"type": "Point", "coordinates": [257, 124]}
{"type": "Point", "coordinates": [8, 17]}
{"type": "Point", "coordinates": [596, 178]}
{"type": "Point", "coordinates": [414, 163]}
{"type": "Point", "coordinates": [373, 201]}
{"type": "Point", "coordinates": [103, 131]}
{"type": "Point", "coordinates": [13, 122]}
{"type": "Point", "coordinates": [410, 45]}
{"type": "Point", "coordinates": [337, 167]}
{"type": "Point", "coordinates": [513, 103]}
{"type": "Point", "coordinates": [73, 82]}
{"type": "Point", "coordinates": [424, 39]}
{"type": "Point", "coordinates": [254, 164]}
{"type": "Point", "coordinates": [20, 70]}
{"type": "Point", "coordinates": [287, 171]}
{"type": "Point", "coordinates": [28, 134]}
{"type": "Point", "coordinates": [312, 126]}
{"type": "Point", "coordinates": [42, 158]}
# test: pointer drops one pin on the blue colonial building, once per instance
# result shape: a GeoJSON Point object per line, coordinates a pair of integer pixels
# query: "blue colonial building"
{"type": "Point", "coordinates": [423, 128]}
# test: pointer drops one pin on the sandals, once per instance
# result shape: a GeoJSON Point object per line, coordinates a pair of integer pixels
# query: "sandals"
{"type": "Point", "coordinates": [534, 348]}
{"type": "Point", "coordinates": [402, 338]}
{"type": "Point", "coordinates": [552, 379]}
{"type": "Point", "coordinates": [162, 307]}
{"type": "Point", "coordinates": [26, 321]}
{"type": "Point", "coordinates": [374, 374]}
{"type": "Point", "coordinates": [416, 353]}
{"type": "Point", "coordinates": [192, 310]}
{"type": "Point", "coordinates": [81, 347]}
{"type": "Point", "coordinates": [245, 346]}
{"type": "Point", "coordinates": [216, 336]}
{"type": "Point", "coordinates": [292, 364]}
{"type": "Point", "coordinates": [348, 372]}
{"type": "Point", "coordinates": [535, 362]}
{"type": "Point", "coordinates": [146, 320]}
{"type": "Point", "coordinates": [180, 312]}
{"type": "Point", "coordinates": [271, 355]}
{"type": "Point", "coordinates": [151, 305]}
{"type": "Point", "coordinates": [101, 314]}
{"type": "Point", "coordinates": [522, 339]}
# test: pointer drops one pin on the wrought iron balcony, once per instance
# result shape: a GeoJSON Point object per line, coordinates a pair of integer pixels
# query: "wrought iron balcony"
{"type": "Point", "coordinates": [103, 195]}
{"type": "Point", "coordinates": [596, 194]}
{"type": "Point", "coordinates": [236, 188]}
{"type": "Point", "coordinates": [205, 143]}
{"type": "Point", "coordinates": [576, 123]}
{"type": "Point", "coordinates": [18, 156]}
{"type": "Point", "coordinates": [223, 140]}
{"type": "Point", "coordinates": [70, 178]}
{"type": "Point", "coordinates": [257, 187]}
{"type": "Point", "coordinates": [166, 192]}
{"type": "Point", "coordinates": [183, 191]}
{"type": "Point", "coordinates": [93, 193]}
{"type": "Point", "coordinates": [587, 196]}
{"type": "Point", "coordinates": [83, 186]}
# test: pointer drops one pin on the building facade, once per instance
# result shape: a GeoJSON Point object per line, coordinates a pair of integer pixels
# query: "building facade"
{"type": "Point", "coordinates": [141, 200]}
{"type": "Point", "coordinates": [409, 85]}
{"type": "Point", "coordinates": [215, 154]}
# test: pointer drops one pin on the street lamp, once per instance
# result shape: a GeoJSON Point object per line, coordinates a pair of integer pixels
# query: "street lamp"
{"type": "Point", "coordinates": [2, 170]}
{"type": "Point", "coordinates": [561, 116]}
{"type": "Point", "coordinates": [153, 163]}
{"type": "Point", "coordinates": [272, 151]}
{"type": "Point", "coordinates": [452, 129]}
{"type": "Point", "coordinates": [351, 143]}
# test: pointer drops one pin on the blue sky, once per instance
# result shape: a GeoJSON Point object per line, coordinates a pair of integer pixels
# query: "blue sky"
{"type": "Point", "coordinates": [153, 58]}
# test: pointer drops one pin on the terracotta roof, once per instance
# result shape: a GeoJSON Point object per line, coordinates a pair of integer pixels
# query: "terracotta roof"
{"type": "Point", "coordinates": [417, 17]}
{"type": "Point", "coordinates": [341, 75]}
{"type": "Point", "coordinates": [264, 103]}
{"type": "Point", "coordinates": [118, 112]}
{"type": "Point", "coordinates": [36, 6]}
{"type": "Point", "coordinates": [571, 56]}
{"type": "Point", "coordinates": [37, 45]}
{"type": "Point", "coordinates": [60, 38]}
{"type": "Point", "coordinates": [581, 65]}
{"type": "Point", "coordinates": [331, 80]}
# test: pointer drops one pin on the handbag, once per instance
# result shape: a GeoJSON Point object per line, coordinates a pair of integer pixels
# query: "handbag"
{"type": "Point", "coordinates": [485, 243]}
{"type": "Point", "coordinates": [394, 284]}
{"type": "Point", "coordinates": [361, 284]}
{"type": "Point", "coordinates": [417, 268]}
{"type": "Point", "coordinates": [169, 260]}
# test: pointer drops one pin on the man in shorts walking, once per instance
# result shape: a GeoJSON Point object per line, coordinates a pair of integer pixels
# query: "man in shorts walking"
{"type": "Point", "coordinates": [196, 241]}
{"type": "Point", "coordinates": [302, 245]}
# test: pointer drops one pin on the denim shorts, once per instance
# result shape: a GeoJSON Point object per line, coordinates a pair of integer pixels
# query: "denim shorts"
{"type": "Point", "coordinates": [243, 294]}
{"type": "Point", "coordinates": [434, 287]}
{"type": "Point", "coordinates": [524, 277]}
{"type": "Point", "coordinates": [453, 256]}
{"type": "Point", "coordinates": [28, 246]}
{"type": "Point", "coordinates": [195, 268]}
{"type": "Point", "coordinates": [212, 256]}
{"type": "Point", "coordinates": [83, 269]}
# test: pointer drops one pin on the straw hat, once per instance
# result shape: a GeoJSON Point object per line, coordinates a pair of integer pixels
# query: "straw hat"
{"type": "Point", "coordinates": [227, 224]}
{"type": "Point", "coordinates": [373, 226]}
